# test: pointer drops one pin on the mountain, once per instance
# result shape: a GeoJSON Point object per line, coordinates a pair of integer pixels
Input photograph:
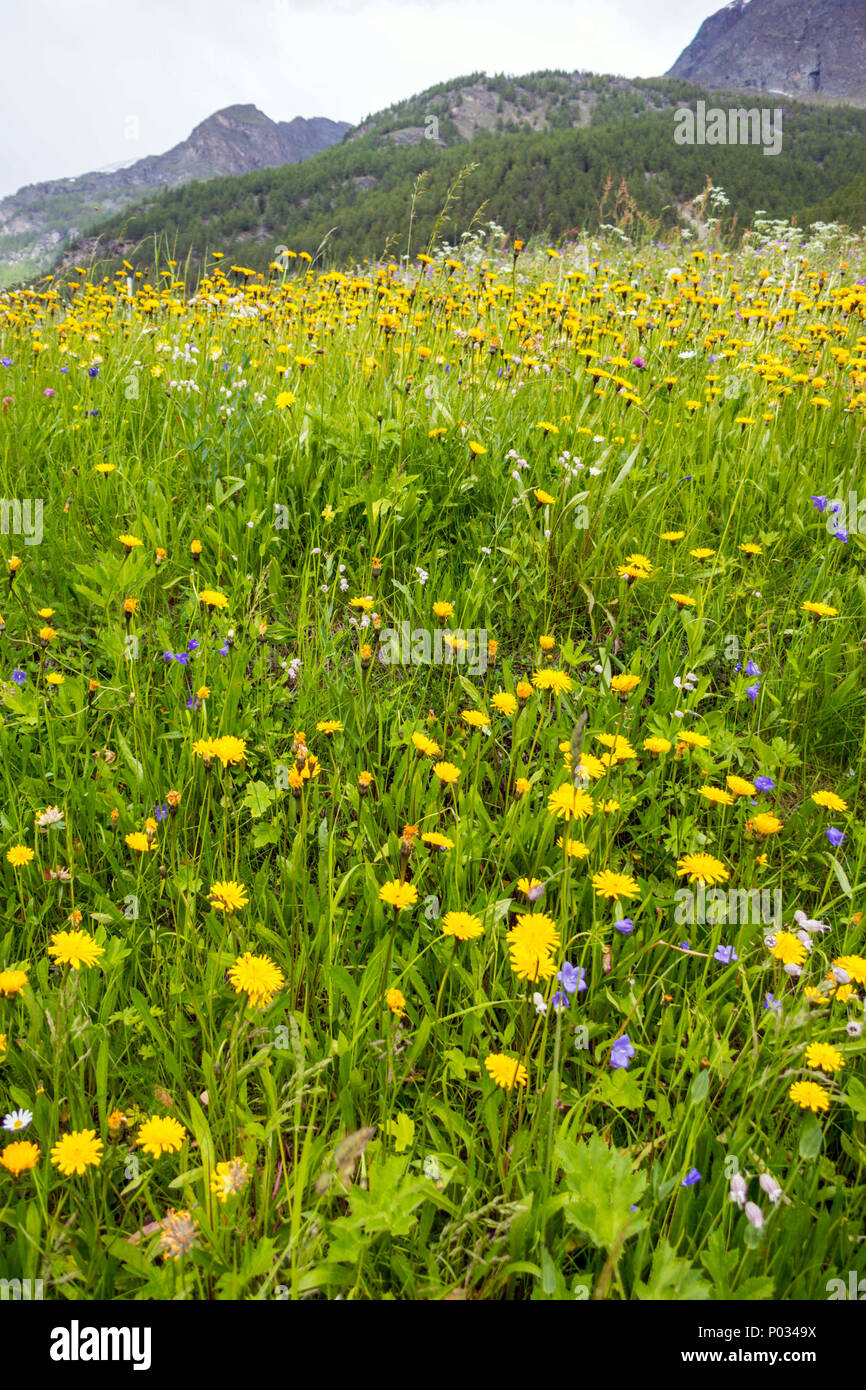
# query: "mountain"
{"type": "Point", "coordinates": [545, 154]}
{"type": "Point", "coordinates": [37, 220]}
{"type": "Point", "coordinates": [813, 50]}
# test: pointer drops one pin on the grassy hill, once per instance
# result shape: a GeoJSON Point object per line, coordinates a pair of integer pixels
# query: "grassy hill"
{"type": "Point", "coordinates": [565, 151]}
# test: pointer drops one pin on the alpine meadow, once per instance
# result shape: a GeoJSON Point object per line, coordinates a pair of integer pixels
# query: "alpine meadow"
{"type": "Point", "coordinates": [433, 750]}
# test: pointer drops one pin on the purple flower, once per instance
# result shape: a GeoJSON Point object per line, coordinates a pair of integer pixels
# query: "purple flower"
{"type": "Point", "coordinates": [571, 977]}
{"type": "Point", "coordinates": [638, 362]}
{"type": "Point", "coordinates": [19, 677]}
{"type": "Point", "coordinates": [182, 658]}
{"type": "Point", "coordinates": [772, 1004]}
{"type": "Point", "coordinates": [764, 784]}
{"type": "Point", "coordinates": [835, 837]}
{"type": "Point", "coordinates": [193, 645]}
{"type": "Point", "coordinates": [685, 946]}
{"type": "Point", "coordinates": [841, 535]}
{"type": "Point", "coordinates": [625, 925]}
{"type": "Point", "coordinates": [168, 656]}
{"type": "Point", "coordinates": [93, 412]}
{"type": "Point", "coordinates": [691, 1179]}
{"type": "Point", "coordinates": [193, 702]}
{"type": "Point", "coordinates": [752, 669]}
{"type": "Point", "coordinates": [6, 361]}
{"type": "Point", "coordinates": [621, 1053]}
{"type": "Point", "coordinates": [224, 649]}
{"type": "Point", "coordinates": [753, 690]}
{"type": "Point", "coordinates": [725, 955]}
{"type": "Point", "coordinates": [820, 503]}
{"type": "Point", "coordinates": [48, 391]}
{"type": "Point", "coordinates": [160, 812]}
{"type": "Point", "coordinates": [92, 372]}
{"type": "Point", "coordinates": [560, 1000]}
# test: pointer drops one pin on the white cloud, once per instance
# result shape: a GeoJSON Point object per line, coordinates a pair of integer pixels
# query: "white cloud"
{"type": "Point", "coordinates": [83, 68]}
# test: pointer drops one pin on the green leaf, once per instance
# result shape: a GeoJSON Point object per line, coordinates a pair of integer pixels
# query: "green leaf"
{"type": "Point", "coordinates": [602, 1188]}
{"type": "Point", "coordinates": [672, 1279]}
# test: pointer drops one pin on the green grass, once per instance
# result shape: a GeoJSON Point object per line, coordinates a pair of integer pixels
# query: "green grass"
{"type": "Point", "coordinates": [382, 1160]}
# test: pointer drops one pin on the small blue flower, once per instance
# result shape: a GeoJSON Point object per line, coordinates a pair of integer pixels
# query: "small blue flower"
{"type": "Point", "coordinates": [571, 977]}
{"type": "Point", "coordinates": [6, 361]}
{"type": "Point", "coordinates": [19, 677]}
{"type": "Point", "coordinates": [625, 925]}
{"type": "Point", "coordinates": [820, 503]}
{"type": "Point", "coordinates": [560, 1000]}
{"type": "Point", "coordinates": [753, 691]}
{"type": "Point", "coordinates": [224, 649]}
{"type": "Point", "coordinates": [167, 657]}
{"type": "Point", "coordinates": [182, 658]}
{"type": "Point", "coordinates": [764, 784]}
{"type": "Point", "coordinates": [193, 645]}
{"type": "Point", "coordinates": [621, 1053]}
{"type": "Point", "coordinates": [92, 372]}
{"type": "Point", "coordinates": [752, 669]}
{"type": "Point", "coordinates": [193, 702]}
{"type": "Point", "coordinates": [725, 955]}
{"type": "Point", "coordinates": [692, 1178]}
{"type": "Point", "coordinates": [835, 837]}
{"type": "Point", "coordinates": [841, 535]}
{"type": "Point", "coordinates": [160, 812]}
{"type": "Point", "coordinates": [772, 1004]}
{"type": "Point", "coordinates": [685, 946]}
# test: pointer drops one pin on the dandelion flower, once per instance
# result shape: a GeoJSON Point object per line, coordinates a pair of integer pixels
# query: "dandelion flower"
{"type": "Point", "coordinates": [161, 1134]}
{"type": "Point", "coordinates": [702, 868]}
{"type": "Point", "coordinates": [463, 926]}
{"type": "Point", "coordinates": [824, 1057]}
{"type": "Point", "coordinates": [810, 1096]}
{"type": "Point", "coordinates": [611, 885]}
{"type": "Point", "coordinates": [398, 895]}
{"type": "Point", "coordinates": [77, 1151]}
{"type": "Point", "coordinates": [257, 977]}
{"type": "Point", "coordinates": [19, 855]}
{"type": "Point", "coordinates": [75, 948]}
{"type": "Point", "coordinates": [19, 1157]}
{"type": "Point", "coordinates": [506, 1071]}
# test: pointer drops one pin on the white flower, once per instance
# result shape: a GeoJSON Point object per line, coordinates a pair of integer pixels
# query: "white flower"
{"type": "Point", "coordinates": [770, 1186]}
{"type": "Point", "coordinates": [854, 1028]}
{"type": "Point", "coordinates": [739, 1189]}
{"type": "Point", "coordinates": [17, 1119]}
{"type": "Point", "coordinates": [754, 1215]}
{"type": "Point", "coordinates": [538, 1001]}
{"type": "Point", "coordinates": [807, 924]}
{"type": "Point", "coordinates": [344, 584]}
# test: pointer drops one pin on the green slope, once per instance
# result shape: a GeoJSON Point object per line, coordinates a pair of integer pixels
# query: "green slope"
{"type": "Point", "coordinates": [623, 165]}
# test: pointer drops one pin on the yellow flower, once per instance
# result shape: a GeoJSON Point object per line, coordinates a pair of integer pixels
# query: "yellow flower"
{"type": "Point", "coordinates": [437, 841]}
{"type": "Point", "coordinates": [656, 745]}
{"type": "Point", "coordinates": [229, 749]}
{"type": "Point", "coordinates": [161, 1134]}
{"type": "Point", "coordinates": [575, 849]}
{"type": "Point", "coordinates": [138, 842]}
{"type": "Point", "coordinates": [446, 772]}
{"type": "Point", "coordinates": [789, 949]}
{"type": "Point", "coordinates": [611, 885]}
{"type": "Point", "coordinates": [227, 896]}
{"type": "Point", "coordinates": [75, 948]}
{"type": "Point", "coordinates": [329, 726]}
{"type": "Point", "coordinates": [689, 739]}
{"type": "Point", "coordinates": [624, 684]}
{"type": "Point", "coordinates": [130, 542]}
{"type": "Point", "coordinates": [212, 598]}
{"type": "Point", "coordinates": [19, 1157]}
{"type": "Point", "coordinates": [257, 977]}
{"type": "Point", "coordinates": [426, 745]}
{"type": "Point", "coordinates": [443, 609]}
{"type": "Point", "coordinates": [854, 967]}
{"type": "Point", "coordinates": [569, 802]}
{"type": "Point", "coordinates": [829, 801]}
{"type": "Point", "coordinates": [462, 925]}
{"type": "Point", "coordinates": [398, 895]}
{"type": "Point", "coordinates": [809, 1096]}
{"type": "Point", "coordinates": [739, 786]}
{"type": "Point", "coordinates": [476, 719]}
{"type": "Point", "coordinates": [284, 400]}
{"type": "Point", "coordinates": [543, 499]}
{"type": "Point", "coordinates": [716, 795]}
{"type": "Point", "coordinates": [76, 1152]}
{"type": "Point", "coordinates": [702, 868]}
{"type": "Point", "coordinates": [824, 1057]}
{"type": "Point", "coordinates": [764, 824]}
{"type": "Point", "coordinates": [672, 535]}
{"type": "Point", "coordinates": [228, 1179]}
{"type": "Point", "coordinates": [396, 1001]}
{"type": "Point", "coordinates": [557, 681]}
{"type": "Point", "coordinates": [506, 1071]}
{"type": "Point", "coordinates": [18, 855]}
{"type": "Point", "coordinates": [504, 703]}
{"type": "Point", "coordinates": [820, 610]}
{"type": "Point", "coordinates": [12, 982]}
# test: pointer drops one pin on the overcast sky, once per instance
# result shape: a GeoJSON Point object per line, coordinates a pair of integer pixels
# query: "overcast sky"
{"type": "Point", "coordinates": [90, 83]}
